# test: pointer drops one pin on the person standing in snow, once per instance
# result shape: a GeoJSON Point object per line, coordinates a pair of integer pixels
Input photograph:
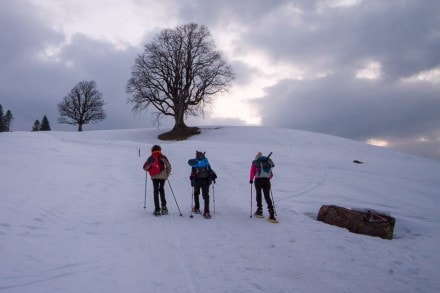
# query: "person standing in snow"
{"type": "Point", "coordinates": [201, 178]}
{"type": "Point", "coordinates": [261, 173]}
{"type": "Point", "coordinates": [159, 169]}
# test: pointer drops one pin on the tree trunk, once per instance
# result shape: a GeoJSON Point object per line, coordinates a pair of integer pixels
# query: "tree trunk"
{"type": "Point", "coordinates": [361, 222]}
{"type": "Point", "coordinates": [179, 120]}
{"type": "Point", "coordinates": [80, 127]}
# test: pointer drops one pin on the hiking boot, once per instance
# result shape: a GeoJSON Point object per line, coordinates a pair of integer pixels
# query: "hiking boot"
{"type": "Point", "coordinates": [164, 210]}
{"type": "Point", "coordinates": [272, 218]}
{"type": "Point", "coordinates": [196, 211]}
{"type": "Point", "coordinates": [157, 212]}
{"type": "Point", "coordinates": [207, 215]}
{"type": "Point", "coordinates": [259, 213]}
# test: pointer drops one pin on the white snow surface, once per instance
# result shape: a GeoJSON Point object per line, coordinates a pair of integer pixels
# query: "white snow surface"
{"type": "Point", "coordinates": [72, 215]}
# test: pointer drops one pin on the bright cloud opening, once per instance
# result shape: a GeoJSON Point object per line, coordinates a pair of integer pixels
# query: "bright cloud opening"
{"type": "Point", "coordinates": [371, 71]}
{"type": "Point", "coordinates": [235, 105]}
{"type": "Point", "coordinates": [378, 142]}
{"type": "Point", "coordinates": [431, 76]}
{"type": "Point", "coordinates": [343, 3]}
{"type": "Point", "coordinates": [116, 22]}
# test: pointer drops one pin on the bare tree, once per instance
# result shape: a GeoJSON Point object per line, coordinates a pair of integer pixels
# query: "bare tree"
{"type": "Point", "coordinates": [84, 104]}
{"type": "Point", "coordinates": [179, 71]}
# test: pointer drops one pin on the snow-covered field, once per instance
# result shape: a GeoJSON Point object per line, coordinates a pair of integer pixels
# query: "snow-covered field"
{"type": "Point", "coordinates": [72, 216]}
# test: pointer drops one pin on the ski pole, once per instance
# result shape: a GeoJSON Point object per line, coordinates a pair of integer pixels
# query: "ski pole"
{"type": "Point", "coordinates": [180, 213]}
{"type": "Point", "coordinates": [251, 201]}
{"type": "Point", "coordinates": [273, 202]}
{"type": "Point", "coordinates": [192, 202]}
{"type": "Point", "coordinates": [213, 196]}
{"type": "Point", "coordinates": [145, 198]}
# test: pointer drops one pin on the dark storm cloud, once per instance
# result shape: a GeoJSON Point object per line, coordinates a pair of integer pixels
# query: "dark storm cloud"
{"type": "Point", "coordinates": [403, 36]}
{"type": "Point", "coordinates": [352, 108]}
{"type": "Point", "coordinates": [22, 73]}
{"type": "Point", "coordinates": [401, 114]}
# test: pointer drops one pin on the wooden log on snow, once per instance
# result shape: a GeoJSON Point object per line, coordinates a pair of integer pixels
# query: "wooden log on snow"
{"type": "Point", "coordinates": [366, 222]}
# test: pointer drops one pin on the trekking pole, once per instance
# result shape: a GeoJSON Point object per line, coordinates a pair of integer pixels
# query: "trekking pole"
{"type": "Point", "coordinates": [213, 196]}
{"type": "Point", "coordinates": [145, 198]}
{"type": "Point", "coordinates": [180, 213]}
{"type": "Point", "coordinates": [192, 202]}
{"type": "Point", "coordinates": [273, 202]}
{"type": "Point", "coordinates": [251, 201]}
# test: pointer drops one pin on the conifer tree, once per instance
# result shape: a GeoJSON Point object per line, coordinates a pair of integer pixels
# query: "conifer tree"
{"type": "Point", "coordinates": [8, 120]}
{"type": "Point", "coordinates": [45, 124]}
{"type": "Point", "coordinates": [36, 126]}
{"type": "Point", "coordinates": [2, 122]}
{"type": "Point", "coordinates": [5, 120]}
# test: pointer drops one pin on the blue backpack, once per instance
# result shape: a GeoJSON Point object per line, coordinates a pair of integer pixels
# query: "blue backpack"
{"type": "Point", "coordinates": [200, 166]}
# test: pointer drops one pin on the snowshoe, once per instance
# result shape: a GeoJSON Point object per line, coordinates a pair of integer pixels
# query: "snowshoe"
{"type": "Point", "coordinates": [272, 219]}
{"type": "Point", "coordinates": [196, 211]}
{"type": "Point", "coordinates": [207, 215]}
{"type": "Point", "coordinates": [164, 211]}
{"type": "Point", "coordinates": [259, 213]}
{"type": "Point", "coordinates": [157, 213]}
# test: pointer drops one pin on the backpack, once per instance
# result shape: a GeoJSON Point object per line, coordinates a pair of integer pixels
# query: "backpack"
{"type": "Point", "coordinates": [202, 168]}
{"type": "Point", "coordinates": [154, 164]}
{"type": "Point", "coordinates": [200, 165]}
{"type": "Point", "coordinates": [264, 167]}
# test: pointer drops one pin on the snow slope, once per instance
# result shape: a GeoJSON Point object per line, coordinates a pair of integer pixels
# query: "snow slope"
{"type": "Point", "coordinates": [72, 216]}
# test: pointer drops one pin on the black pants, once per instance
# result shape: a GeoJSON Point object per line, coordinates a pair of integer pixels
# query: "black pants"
{"type": "Point", "coordinates": [203, 185]}
{"type": "Point", "coordinates": [159, 189]}
{"type": "Point", "coordinates": [262, 185]}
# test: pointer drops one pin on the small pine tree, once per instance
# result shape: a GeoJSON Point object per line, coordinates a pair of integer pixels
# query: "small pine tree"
{"type": "Point", "coordinates": [2, 119]}
{"type": "Point", "coordinates": [8, 120]}
{"type": "Point", "coordinates": [5, 120]}
{"type": "Point", "coordinates": [45, 124]}
{"type": "Point", "coordinates": [37, 126]}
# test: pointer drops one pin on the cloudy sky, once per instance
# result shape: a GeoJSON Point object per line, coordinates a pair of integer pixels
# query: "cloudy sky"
{"type": "Point", "coordinates": [362, 69]}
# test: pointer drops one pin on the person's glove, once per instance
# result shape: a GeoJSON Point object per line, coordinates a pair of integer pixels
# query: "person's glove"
{"type": "Point", "coordinates": [251, 181]}
{"type": "Point", "coordinates": [192, 181]}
